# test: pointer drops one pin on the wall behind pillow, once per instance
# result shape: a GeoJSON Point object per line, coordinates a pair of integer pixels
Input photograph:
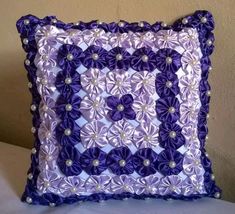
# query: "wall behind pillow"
{"type": "Point", "coordinates": [15, 119]}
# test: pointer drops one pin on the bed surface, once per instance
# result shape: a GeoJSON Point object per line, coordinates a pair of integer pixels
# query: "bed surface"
{"type": "Point", "coordinates": [14, 162]}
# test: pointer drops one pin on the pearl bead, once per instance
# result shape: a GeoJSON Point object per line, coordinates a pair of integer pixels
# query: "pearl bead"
{"type": "Point", "coordinates": [52, 204]}
{"type": "Point", "coordinates": [120, 107]}
{"type": "Point", "coordinates": [99, 22]}
{"type": "Point", "coordinates": [29, 200]}
{"type": "Point", "coordinates": [69, 162]}
{"type": "Point", "coordinates": [30, 176]}
{"type": "Point", "coordinates": [95, 162]}
{"type": "Point", "coordinates": [145, 58]}
{"type": "Point", "coordinates": [172, 164]}
{"type": "Point", "coordinates": [68, 107]}
{"type": "Point", "coordinates": [207, 116]}
{"type": "Point", "coordinates": [171, 110]}
{"type": "Point", "coordinates": [33, 107]}
{"type": "Point", "coordinates": [122, 163]}
{"type": "Point", "coordinates": [147, 138]}
{"type": "Point", "coordinates": [48, 157]}
{"type": "Point", "coordinates": [208, 42]}
{"type": "Point", "coordinates": [212, 177]}
{"type": "Point", "coordinates": [54, 21]}
{"type": "Point", "coordinates": [210, 68]}
{"type": "Point", "coordinates": [217, 195]}
{"type": "Point", "coordinates": [46, 184]}
{"type": "Point", "coordinates": [33, 129]}
{"type": "Point", "coordinates": [146, 162]}
{"type": "Point", "coordinates": [123, 135]}
{"type": "Point", "coordinates": [126, 187]}
{"type": "Point", "coordinates": [172, 134]}
{"type": "Point", "coordinates": [69, 57]}
{"type": "Point", "coordinates": [169, 84]}
{"type": "Point", "coordinates": [95, 56]}
{"type": "Point", "coordinates": [26, 22]}
{"type": "Point", "coordinates": [96, 104]}
{"type": "Point", "coordinates": [25, 41]}
{"type": "Point", "coordinates": [208, 93]}
{"type": "Point", "coordinates": [68, 80]}
{"type": "Point", "coordinates": [94, 136]}
{"type": "Point", "coordinates": [98, 187]}
{"type": "Point", "coordinates": [206, 154]}
{"type": "Point", "coordinates": [203, 20]}
{"type": "Point", "coordinates": [67, 132]}
{"type": "Point", "coordinates": [141, 24]}
{"type": "Point", "coordinates": [119, 57]}
{"type": "Point", "coordinates": [27, 62]}
{"type": "Point", "coordinates": [30, 85]}
{"type": "Point", "coordinates": [185, 21]}
{"type": "Point", "coordinates": [207, 137]}
{"type": "Point", "coordinates": [45, 108]}
{"type": "Point", "coordinates": [145, 81]}
{"type": "Point", "coordinates": [168, 60]}
{"type": "Point", "coordinates": [197, 162]}
{"type": "Point", "coordinates": [77, 23]}
{"type": "Point", "coordinates": [44, 81]}
{"type": "Point", "coordinates": [121, 24]}
{"type": "Point", "coordinates": [33, 151]}
{"type": "Point", "coordinates": [73, 189]}
{"type": "Point", "coordinates": [163, 24]}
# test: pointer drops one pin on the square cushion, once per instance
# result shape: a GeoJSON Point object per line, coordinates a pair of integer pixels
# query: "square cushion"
{"type": "Point", "coordinates": [119, 109]}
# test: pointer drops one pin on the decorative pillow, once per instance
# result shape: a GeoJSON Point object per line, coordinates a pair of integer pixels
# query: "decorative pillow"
{"type": "Point", "coordinates": [119, 109]}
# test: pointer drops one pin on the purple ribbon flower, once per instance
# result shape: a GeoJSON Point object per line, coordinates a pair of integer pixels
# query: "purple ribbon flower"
{"type": "Point", "coordinates": [118, 58]}
{"type": "Point", "coordinates": [167, 84]}
{"type": "Point", "coordinates": [168, 109]}
{"type": "Point", "coordinates": [119, 161]}
{"type": "Point", "coordinates": [68, 107]}
{"type": "Point", "coordinates": [170, 162]}
{"type": "Point", "coordinates": [143, 59]}
{"type": "Point", "coordinates": [168, 60]}
{"type": "Point", "coordinates": [145, 161]}
{"type": "Point", "coordinates": [68, 132]}
{"type": "Point", "coordinates": [69, 57]}
{"type": "Point", "coordinates": [93, 161]}
{"type": "Point", "coordinates": [94, 57]}
{"type": "Point", "coordinates": [68, 82]}
{"type": "Point", "coordinates": [121, 108]}
{"type": "Point", "coordinates": [170, 136]}
{"type": "Point", "coordinates": [69, 161]}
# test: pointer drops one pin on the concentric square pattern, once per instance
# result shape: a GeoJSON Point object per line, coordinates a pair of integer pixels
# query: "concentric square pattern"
{"type": "Point", "coordinates": [119, 109]}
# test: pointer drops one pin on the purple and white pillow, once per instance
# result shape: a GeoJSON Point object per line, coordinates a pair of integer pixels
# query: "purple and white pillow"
{"type": "Point", "coordinates": [119, 109]}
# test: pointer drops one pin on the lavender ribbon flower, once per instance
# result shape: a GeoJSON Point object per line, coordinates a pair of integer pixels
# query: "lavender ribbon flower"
{"type": "Point", "coordinates": [96, 37]}
{"type": "Point", "coordinates": [94, 134]}
{"type": "Point", "coordinates": [146, 135]}
{"type": "Point", "coordinates": [120, 40]}
{"type": "Point", "coordinates": [144, 107]}
{"type": "Point", "coordinates": [70, 36]}
{"type": "Point", "coordinates": [170, 184]}
{"type": "Point", "coordinates": [122, 183]}
{"type": "Point", "coordinates": [96, 184]}
{"type": "Point", "coordinates": [145, 39]}
{"type": "Point", "coordinates": [147, 185]}
{"type": "Point", "coordinates": [167, 39]}
{"type": "Point", "coordinates": [188, 38]}
{"type": "Point", "coordinates": [92, 107]}
{"type": "Point", "coordinates": [143, 83]}
{"type": "Point", "coordinates": [46, 132]}
{"type": "Point", "coordinates": [71, 185]}
{"type": "Point", "coordinates": [121, 133]}
{"type": "Point", "coordinates": [93, 81]}
{"type": "Point", "coordinates": [118, 82]}
{"type": "Point", "coordinates": [121, 108]}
